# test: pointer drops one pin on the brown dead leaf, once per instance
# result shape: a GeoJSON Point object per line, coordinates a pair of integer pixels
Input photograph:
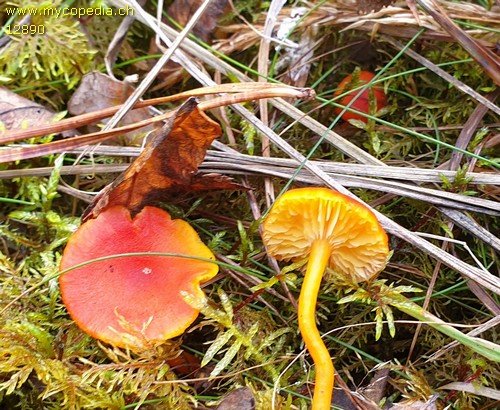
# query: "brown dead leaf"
{"type": "Point", "coordinates": [182, 10]}
{"type": "Point", "coordinates": [375, 391]}
{"type": "Point", "coordinates": [238, 399]}
{"type": "Point", "coordinates": [17, 112]}
{"type": "Point", "coordinates": [98, 91]}
{"type": "Point", "coordinates": [168, 165]}
{"type": "Point", "coordinates": [367, 6]}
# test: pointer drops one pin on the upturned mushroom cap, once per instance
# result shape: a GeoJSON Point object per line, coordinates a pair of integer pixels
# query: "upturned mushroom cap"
{"type": "Point", "coordinates": [359, 245]}
{"type": "Point", "coordinates": [134, 301]}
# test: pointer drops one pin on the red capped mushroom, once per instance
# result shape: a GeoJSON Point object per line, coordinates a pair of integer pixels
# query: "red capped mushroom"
{"type": "Point", "coordinates": [134, 301]}
{"type": "Point", "coordinates": [327, 229]}
{"type": "Point", "coordinates": [369, 101]}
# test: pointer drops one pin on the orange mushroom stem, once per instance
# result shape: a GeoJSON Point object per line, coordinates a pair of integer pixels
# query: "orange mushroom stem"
{"type": "Point", "coordinates": [318, 261]}
{"type": "Point", "coordinates": [330, 230]}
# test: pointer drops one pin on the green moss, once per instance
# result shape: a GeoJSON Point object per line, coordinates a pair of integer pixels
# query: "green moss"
{"type": "Point", "coordinates": [60, 52]}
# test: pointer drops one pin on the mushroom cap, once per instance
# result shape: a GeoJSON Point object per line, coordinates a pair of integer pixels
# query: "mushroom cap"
{"type": "Point", "coordinates": [362, 102]}
{"type": "Point", "coordinates": [359, 245]}
{"type": "Point", "coordinates": [134, 301]}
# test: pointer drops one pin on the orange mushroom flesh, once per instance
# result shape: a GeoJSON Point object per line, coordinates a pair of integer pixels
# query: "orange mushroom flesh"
{"type": "Point", "coordinates": [134, 301]}
{"type": "Point", "coordinates": [331, 230]}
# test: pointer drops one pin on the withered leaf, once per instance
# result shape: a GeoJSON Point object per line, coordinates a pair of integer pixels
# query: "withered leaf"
{"type": "Point", "coordinates": [367, 6]}
{"type": "Point", "coordinates": [182, 11]}
{"type": "Point", "coordinates": [17, 112]}
{"type": "Point", "coordinates": [238, 399]}
{"type": "Point", "coordinates": [168, 165]}
{"type": "Point", "coordinates": [98, 91]}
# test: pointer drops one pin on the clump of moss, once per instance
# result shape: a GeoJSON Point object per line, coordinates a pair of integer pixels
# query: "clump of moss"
{"type": "Point", "coordinates": [56, 49]}
{"type": "Point", "coordinates": [68, 371]}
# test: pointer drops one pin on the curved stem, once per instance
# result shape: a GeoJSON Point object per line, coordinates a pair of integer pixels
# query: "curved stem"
{"type": "Point", "coordinates": [323, 388]}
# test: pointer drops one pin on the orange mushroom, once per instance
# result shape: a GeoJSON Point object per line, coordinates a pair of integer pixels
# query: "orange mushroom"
{"type": "Point", "coordinates": [361, 102]}
{"type": "Point", "coordinates": [331, 230]}
{"type": "Point", "coordinates": [134, 301]}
